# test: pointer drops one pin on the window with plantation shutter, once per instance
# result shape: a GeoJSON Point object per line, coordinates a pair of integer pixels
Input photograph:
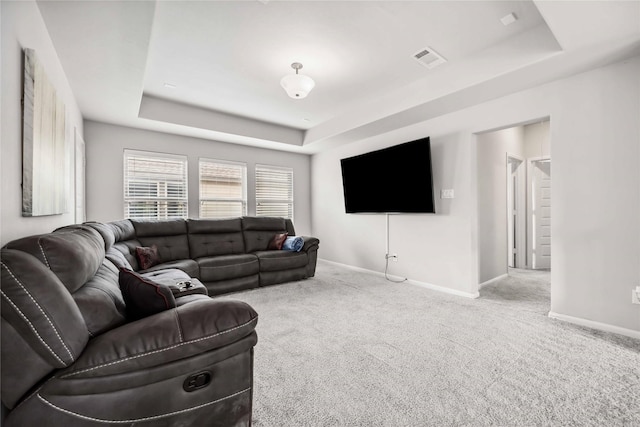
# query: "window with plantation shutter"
{"type": "Point", "coordinates": [274, 191]}
{"type": "Point", "coordinates": [223, 189]}
{"type": "Point", "coordinates": [155, 185]}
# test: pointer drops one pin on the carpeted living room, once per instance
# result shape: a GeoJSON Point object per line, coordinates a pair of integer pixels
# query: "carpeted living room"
{"type": "Point", "coordinates": [320, 213]}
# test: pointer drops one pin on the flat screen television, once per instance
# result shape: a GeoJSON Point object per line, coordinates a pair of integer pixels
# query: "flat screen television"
{"type": "Point", "coordinates": [397, 179]}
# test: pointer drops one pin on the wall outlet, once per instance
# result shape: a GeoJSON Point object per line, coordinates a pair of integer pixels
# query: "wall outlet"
{"type": "Point", "coordinates": [446, 194]}
{"type": "Point", "coordinates": [635, 295]}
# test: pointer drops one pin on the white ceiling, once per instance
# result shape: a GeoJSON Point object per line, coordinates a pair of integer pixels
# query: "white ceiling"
{"type": "Point", "coordinates": [226, 59]}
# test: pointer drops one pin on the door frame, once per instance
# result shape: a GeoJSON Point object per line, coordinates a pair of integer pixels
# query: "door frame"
{"type": "Point", "coordinates": [530, 195]}
{"type": "Point", "coordinates": [520, 212]}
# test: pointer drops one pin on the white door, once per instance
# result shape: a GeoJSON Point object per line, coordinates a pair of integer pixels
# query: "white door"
{"type": "Point", "coordinates": [541, 214]}
{"type": "Point", "coordinates": [515, 212]}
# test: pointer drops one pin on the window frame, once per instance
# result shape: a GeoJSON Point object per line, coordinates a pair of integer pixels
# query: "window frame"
{"type": "Point", "coordinates": [166, 199]}
{"type": "Point", "coordinates": [244, 199]}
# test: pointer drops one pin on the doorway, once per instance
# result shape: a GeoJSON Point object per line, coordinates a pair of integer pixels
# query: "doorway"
{"type": "Point", "coordinates": [514, 200]}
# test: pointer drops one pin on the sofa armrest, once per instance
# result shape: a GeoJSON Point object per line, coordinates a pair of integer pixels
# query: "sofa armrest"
{"type": "Point", "coordinates": [179, 333]}
{"type": "Point", "coordinates": [310, 243]}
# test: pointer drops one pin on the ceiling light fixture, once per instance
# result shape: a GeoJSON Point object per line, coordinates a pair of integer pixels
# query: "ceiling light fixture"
{"type": "Point", "coordinates": [297, 85]}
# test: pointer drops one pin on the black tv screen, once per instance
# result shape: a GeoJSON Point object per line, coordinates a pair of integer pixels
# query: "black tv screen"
{"type": "Point", "coordinates": [397, 179]}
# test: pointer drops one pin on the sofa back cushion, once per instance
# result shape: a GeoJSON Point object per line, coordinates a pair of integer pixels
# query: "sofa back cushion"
{"type": "Point", "coordinates": [169, 236]}
{"type": "Point", "coordinates": [258, 231]}
{"type": "Point", "coordinates": [291, 231]}
{"type": "Point", "coordinates": [115, 231]}
{"type": "Point", "coordinates": [119, 242]}
{"type": "Point", "coordinates": [215, 237]}
{"type": "Point", "coordinates": [42, 326]}
{"type": "Point", "coordinates": [74, 254]}
{"type": "Point", "coordinates": [100, 300]}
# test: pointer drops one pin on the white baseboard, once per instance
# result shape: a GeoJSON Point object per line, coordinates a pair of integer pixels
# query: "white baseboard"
{"type": "Point", "coordinates": [409, 281]}
{"type": "Point", "coordinates": [596, 325]}
{"type": "Point", "coordinates": [490, 281]}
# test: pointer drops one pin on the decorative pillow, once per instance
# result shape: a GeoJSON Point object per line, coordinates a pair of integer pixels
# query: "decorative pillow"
{"type": "Point", "coordinates": [142, 296]}
{"type": "Point", "coordinates": [293, 244]}
{"type": "Point", "coordinates": [277, 241]}
{"type": "Point", "coordinates": [147, 256]}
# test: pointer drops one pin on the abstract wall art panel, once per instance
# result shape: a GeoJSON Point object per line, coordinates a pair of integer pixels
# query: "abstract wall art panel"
{"type": "Point", "coordinates": [45, 155]}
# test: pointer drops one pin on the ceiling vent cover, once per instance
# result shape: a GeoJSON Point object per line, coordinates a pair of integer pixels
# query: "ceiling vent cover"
{"type": "Point", "coordinates": [429, 57]}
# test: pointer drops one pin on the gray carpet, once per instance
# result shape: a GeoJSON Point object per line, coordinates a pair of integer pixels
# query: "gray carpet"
{"type": "Point", "coordinates": [350, 349]}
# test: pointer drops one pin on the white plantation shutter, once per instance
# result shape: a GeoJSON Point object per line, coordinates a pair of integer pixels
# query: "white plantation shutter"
{"type": "Point", "coordinates": [155, 185]}
{"type": "Point", "coordinates": [223, 189]}
{"type": "Point", "coordinates": [274, 191]}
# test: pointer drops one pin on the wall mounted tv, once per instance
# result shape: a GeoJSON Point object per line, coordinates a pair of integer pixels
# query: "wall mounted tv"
{"type": "Point", "coordinates": [397, 179]}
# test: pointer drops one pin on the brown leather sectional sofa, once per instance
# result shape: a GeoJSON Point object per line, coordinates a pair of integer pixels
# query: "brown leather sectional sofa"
{"type": "Point", "coordinates": [72, 357]}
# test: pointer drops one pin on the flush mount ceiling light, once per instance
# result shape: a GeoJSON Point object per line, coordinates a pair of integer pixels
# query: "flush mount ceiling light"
{"type": "Point", "coordinates": [297, 85]}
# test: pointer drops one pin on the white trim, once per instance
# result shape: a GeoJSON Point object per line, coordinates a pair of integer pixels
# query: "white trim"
{"type": "Point", "coordinates": [595, 325]}
{"type": "Point", "coordinates": [410, 281]}
{"type": "Point", "coordinates": [490, 281]}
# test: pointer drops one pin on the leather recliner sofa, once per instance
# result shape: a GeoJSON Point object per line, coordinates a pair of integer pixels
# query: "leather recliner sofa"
{"type": "Point", "coordinates": [226, 255]}
{"type": "Point", "coordinates": [71, 357]}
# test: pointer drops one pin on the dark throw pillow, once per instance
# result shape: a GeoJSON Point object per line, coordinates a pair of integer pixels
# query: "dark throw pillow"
{"type": "Point", "coordinates": [142, 296]}
{"type": "Point", "coordinates": [147, 256]}
{"type": "Point", "coordinates": [277, 241]}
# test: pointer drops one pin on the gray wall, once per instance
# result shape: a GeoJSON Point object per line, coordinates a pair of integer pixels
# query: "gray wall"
{"type": "Point", "coordinates": [22, 27]}
{"type": "Point", "coordinates": [106, 144]}
{"type": "Point", "coordinates": [596, 196]}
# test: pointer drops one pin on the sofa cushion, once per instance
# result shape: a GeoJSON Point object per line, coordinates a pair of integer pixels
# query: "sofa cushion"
{"type": "Point", "coordinates": [118, 258]}
{"type": "Point", "coordinates": [189, 266]}
{"type": "Point", "coordinates": [170, 248]}
{"type": "Point", "coordinates": [152, 228]}
{"type": "Point", "coordinates": [226, 267]}
{"type": "Point", "coordinates": [128, 249]}
{"type": "Point", "coordinates": [215, 237]}
{"type": "Point", "coordinates": [281, 260]}
{"type": "Point", "coordinates": [170, 236]}
{"type": "Point", "coordinates": [258, 231]}
{"type": "Point", "coordinates": [147, 256]}
{"type": "Point", "coordinates": [165, 275]}
{"type": "Point", "coordinates": [100, 300]}
{"type": "Point", "coordinates": [54, 334]}
{"type": "Point", "coordinates": [73, 254]}
{"type": "Point", "coordinates": [143, 296]}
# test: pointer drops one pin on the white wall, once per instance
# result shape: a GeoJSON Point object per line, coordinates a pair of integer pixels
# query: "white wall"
{"type": "Point", "coordinates": [106, 143]}
{"type": "Point", "coordinates": [595, 134]}
{"type": "Point", "coordinates": [536, 140]}
{"type": "Point", "coordinates": [23, 27]}
{"type": "Point", "coordinates": [492, 149]}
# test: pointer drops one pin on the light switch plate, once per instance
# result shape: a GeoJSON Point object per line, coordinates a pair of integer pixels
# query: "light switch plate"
{"type": "Point", "coordinates": [446, 194]}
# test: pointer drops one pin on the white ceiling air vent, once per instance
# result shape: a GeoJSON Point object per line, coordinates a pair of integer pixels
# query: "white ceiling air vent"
{"type": "Point", "coordinates": [429, 57]}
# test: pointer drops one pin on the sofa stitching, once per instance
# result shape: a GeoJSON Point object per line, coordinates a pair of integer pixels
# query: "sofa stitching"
{"type": "Point", "coordinates": [175, 314]}
{"type": "Point", "coordinates": [41, 311]}
{"type": "Point", "coordinates": [115, 362]}
{"type": "Point", "coordinates": [33, 328]}
{"type": "Point", "coordinates": [135, 420]}
{"type": "Point", "coordinates": [46, 261]}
